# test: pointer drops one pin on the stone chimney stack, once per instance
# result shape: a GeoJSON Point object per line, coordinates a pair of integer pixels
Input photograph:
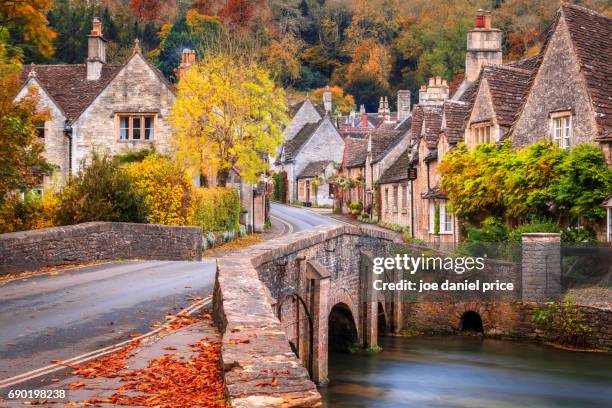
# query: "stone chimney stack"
{"type": "Point", "coordinates": [381, 107]}
{"type": "Point", "coordinates": [96, 51]}
{"type": "Point", "coordinates": [435, 93]}
{"type": "Point", "coordinates": [387, 111]}
{"type": "Point", "coordinates": [483, 46]}
{"type": "Point", "coordinates": [364, 116]}
{"type": "Point", "coordinates": [188, 59]}
{"type": "Point", "coordinates": [327, 100]}
{"type": "Point", "coordinates": [403, 105]}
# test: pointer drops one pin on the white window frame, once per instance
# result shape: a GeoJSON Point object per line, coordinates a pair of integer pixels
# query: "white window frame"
{"type": "Point", "coordinates": [483, 132]}
{"type": "Point", "coordinates": [446, 224]}
{"type": "Point", "coordinates": [561, 129]}
{"type": "Point", "coordinates": [432, 216]}
{"type": "Point", "coordinates": [405, 196]}
{"type": "Point", "coordinates": [395, 198]}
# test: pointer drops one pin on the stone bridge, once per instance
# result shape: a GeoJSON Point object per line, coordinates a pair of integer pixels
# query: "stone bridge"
{"type": "Point", "coordinates": [282, 304]}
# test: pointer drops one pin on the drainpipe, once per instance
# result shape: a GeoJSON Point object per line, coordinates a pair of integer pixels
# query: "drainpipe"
{"type": "Point", "coordinates": [412, 208]}
{"type": "Point", "coordinates": [68, 134]}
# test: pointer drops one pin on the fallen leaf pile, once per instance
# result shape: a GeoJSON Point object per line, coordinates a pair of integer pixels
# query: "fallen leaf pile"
{"type": "Point", "coordinates": [165, 382]}
{"type": "Point", "coordinates": [108, 366]}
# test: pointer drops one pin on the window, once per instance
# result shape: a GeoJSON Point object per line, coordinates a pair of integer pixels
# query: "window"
{"type": "Point", "coordinates": [432, 217]}
{"type": "Point", "coordinates": [405, 196]}
{"type": "Point", "coordinates": [387, 198]}
{"type": "Point", "coordinates": [395, 198]}
{"type": "Point", "coordinates": [482, 134]}
{"type": "Point", "coordinates": [40, 130]}
{"type": "Point", "coordinates": [562, 130]}
{"type": "Point", "coordinates": [446, 219]}
{"type": "Point", "coordinates": [136, 127]}
{"type": "Point", "coordinates": [609, 210]}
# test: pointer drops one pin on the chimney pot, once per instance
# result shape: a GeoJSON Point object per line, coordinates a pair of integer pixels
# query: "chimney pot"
{"type": "Point", "coordinates": [480, 18]}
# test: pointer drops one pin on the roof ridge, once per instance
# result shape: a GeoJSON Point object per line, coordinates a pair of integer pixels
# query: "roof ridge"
{"type": "Point", "coordinates": [584, 9]}
{"type": "Point", "coordinates": [508, 67]}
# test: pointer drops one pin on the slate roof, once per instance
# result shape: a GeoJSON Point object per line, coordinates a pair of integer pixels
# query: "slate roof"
{"type": "Point", "coordinates": [293, 145]}
{"type": "Point", "coordinates": [314, 169]}
{"type": "Point", "coordinates": [591, 35]}
{"type": "Point", "coordinates": [355, 152]}
{"type": "Point", "coordinates": [432, 119]}
{"type": "Point", "coordinates": [383, 140]}
{"type": "Point", "coordinates": [398, 171]}
{"type": "Point", "coordinates": [508, 86]}
{"type": "Point", "coordinates": [68, 86]}
{"type": "Point", "coordinates": [455, 114]}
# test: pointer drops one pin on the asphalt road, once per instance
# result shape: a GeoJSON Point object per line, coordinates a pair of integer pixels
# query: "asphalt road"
{"type": "Point", "coordinates": [47, 317]}
{"type": "Point", "coordinates": [60, 316]}
{"type": "Point", "coordinates": [300, 219]}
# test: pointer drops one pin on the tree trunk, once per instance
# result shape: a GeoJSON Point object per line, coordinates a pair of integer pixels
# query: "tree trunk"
{"type": "Point", "coordinates": [222, 177]}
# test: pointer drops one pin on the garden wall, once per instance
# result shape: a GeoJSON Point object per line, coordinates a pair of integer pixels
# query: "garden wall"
{"type": "Point", "coordinates": [92, 241]}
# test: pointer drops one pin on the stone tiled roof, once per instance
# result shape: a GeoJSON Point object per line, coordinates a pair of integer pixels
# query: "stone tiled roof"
{"type": "Point", "coordinates": [384, 140]}
{"type": "Point", "coordinates": [591, 35]}
{"type": "Point", "coordinates": [314, 169]}
{"type": "Point", "coordinates": [292, 146]}
{"type": "Point", "coordinates": [432, 123]}
{"type": "Point", "coordinates": [355, 152]}
{"type": "Point", "coordinates": [68, 86]}
{"type": "Point", "coordinates": [398, 171]}
{"type": "Point", "coordinates": [508, 85]}
{"type": "Point", "coordinates": [455, 114]}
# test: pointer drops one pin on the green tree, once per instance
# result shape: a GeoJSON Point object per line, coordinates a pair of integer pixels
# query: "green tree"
{"type": "Point", "coordinates": [101, 191]}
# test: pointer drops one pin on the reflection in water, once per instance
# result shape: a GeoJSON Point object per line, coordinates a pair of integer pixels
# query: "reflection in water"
{"type": "Point", "coordinates": [468, 372]}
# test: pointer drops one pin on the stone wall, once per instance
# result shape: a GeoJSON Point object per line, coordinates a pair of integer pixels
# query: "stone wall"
{"type": "Point", "coordinates": [505, 319]}
{"type": "Point", "coordinates": [254, 284]}
{"type": "Point", "coordinates": [31, 250]}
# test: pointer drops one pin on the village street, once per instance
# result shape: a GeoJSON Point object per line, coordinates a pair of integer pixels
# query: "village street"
{"type": "Point", "coordinates": [77, 311]}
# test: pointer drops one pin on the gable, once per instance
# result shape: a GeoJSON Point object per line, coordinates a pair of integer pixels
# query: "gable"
{"type": "Point", "coordinates": [482, 109]}
{"type": "Point", "coordinates": [304, 114]}
{"type": "Point", "coordinates": [46, 101]}
{"type": "Point", "coordinates": [558, 86]}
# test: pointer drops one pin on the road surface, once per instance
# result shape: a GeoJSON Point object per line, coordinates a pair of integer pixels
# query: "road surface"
{"type": "Point", "coordinates": [60, 316]}
{"type": "Point", "coordinates": [300, 219]}
{"type": "Point", "coordinates": [47, 317]}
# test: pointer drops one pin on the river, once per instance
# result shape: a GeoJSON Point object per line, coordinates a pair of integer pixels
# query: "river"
{"type": "Point", "coordinates": [465, 371]}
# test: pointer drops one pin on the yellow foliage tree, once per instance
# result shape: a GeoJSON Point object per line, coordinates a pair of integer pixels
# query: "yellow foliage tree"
{"type": "Point", "coordinates": [228, 116]}
{"type": "Point", "coordinates": [167, 190]}
{"type": "Point", "coordinates": [341, 102]}
{"type": "Point", "coordinates": [370, 60]}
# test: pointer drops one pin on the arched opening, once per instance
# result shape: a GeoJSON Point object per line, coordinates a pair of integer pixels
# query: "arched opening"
{"type": "Point", "coordinates": [382, 320]}
{"type": "Point", "coordinates": [342, 329]}
{"type": "Point", "coordinates": [471, 322]}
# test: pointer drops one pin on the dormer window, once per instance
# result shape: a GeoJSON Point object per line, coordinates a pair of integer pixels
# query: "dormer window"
{"type": "Point", "coordinates": [562, 129]}
{"type": "Point", "coordinates": [136, 127]}
{"type": "Point", "coordinates": [483, 133]}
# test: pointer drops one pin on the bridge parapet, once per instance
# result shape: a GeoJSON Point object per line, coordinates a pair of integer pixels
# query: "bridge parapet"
{"type": "Point", "coordinates": [272, 303]}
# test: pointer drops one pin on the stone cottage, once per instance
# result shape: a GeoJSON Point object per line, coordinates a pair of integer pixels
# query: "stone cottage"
{"type": "Point", "coordinates": [353, 167]}
{"type": "Point", "coordinates": [98, 106]}
{"type": "Point", "coordinates": [570, 98]}
{"type": "Point", "coordinates": [313, 183]}
{"type": "Point", "coordinates": [316, 141]}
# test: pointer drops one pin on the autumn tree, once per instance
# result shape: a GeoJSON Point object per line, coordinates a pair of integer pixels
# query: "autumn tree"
{"type": "Point", "coordinates": [341, 102]}
{"type": "Point", "coordinates": [228, 116]}
{"type": "Point", "coordinates": [146, 10]}
{"type": "Point", "coordinates": [27, 23]}
{"type": "Point", "coordinates": [21, 154]}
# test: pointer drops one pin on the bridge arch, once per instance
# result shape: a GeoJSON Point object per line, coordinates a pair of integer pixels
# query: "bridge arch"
{"type": "Point", "coordinates": [342, 328]}
{"type": "Point", "coordinates": [471, 321]}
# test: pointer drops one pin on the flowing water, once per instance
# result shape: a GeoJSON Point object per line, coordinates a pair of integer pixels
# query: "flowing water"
{"type": "Point", "coordinates": [464, 371]}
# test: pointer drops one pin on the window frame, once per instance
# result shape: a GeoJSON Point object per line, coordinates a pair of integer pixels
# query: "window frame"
{"type": "Point", "coordinates": [142, 128]}
{"type": "Point", "coordinates": [563, 134]}
{"type": "Point", "coordinates": [38, 127]}
{"type": "Point", "coordinates": [482, 132]}
{"type": "Point", "coordinates": [444, 213]}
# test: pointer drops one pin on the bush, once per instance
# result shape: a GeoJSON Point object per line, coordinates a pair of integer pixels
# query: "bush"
{"type": "Point", "coordinates": [534, 226]}
{"type": "Point", "coordinates": [101, 191]}
{"type": "Point", "coordinates": [491, 230]}
{"type": "Point", "coordinates": [167, 189]}
{"type": "Point", "coordinates": [562, 323]}
{"type": "Point", "coordinates": [279, 193]}
{"type": "Point", "coordinates": [217, 209]}
{"type": "Point", "coordinates": [33, 212]}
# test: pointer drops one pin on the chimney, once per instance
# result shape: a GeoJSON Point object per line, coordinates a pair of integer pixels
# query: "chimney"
{"type": "Point", "coordinates": [483, 46]}
{"type": "Point", "coordinates": [188, 59]}
{"type": "Point", "coordinates": [381, 107]}
{"type": "Point", "coordinates": [435, 93]}
{"type": "Point", "coordinates": [387, 111]}
{"type": "Point", "coordinates": [364, 116]}
{"type": "Point", "coordinates": [403, 105]}
{"type": "Point", "coordinates": [327, 100]}
{"type": "Point", "coordinates": [96, 51]}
